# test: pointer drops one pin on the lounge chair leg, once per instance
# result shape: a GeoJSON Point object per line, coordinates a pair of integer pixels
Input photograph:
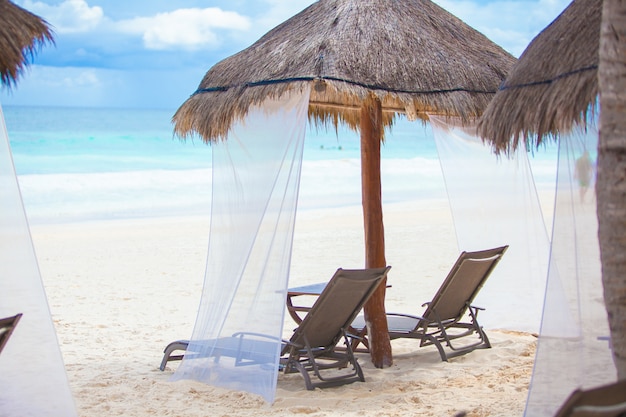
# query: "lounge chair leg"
{"type": "Point", "coordinates": [485, 338]}
{"type": "Point", "coordinates": [352, 358]}
{"type": "Point", "coordinates": [169, 349]}
{"type": "Point", "coordinates": [440, 348]}
{"type": "Point", "coordinates": [307, 379]}
{"type": "Point", "coordinates": [359, 371]}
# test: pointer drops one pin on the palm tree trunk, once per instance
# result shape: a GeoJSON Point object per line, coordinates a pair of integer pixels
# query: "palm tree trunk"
{"type": "Point", "coordinates": [611, 181]}
{"type": "Point", "coordinates": [375, 315]}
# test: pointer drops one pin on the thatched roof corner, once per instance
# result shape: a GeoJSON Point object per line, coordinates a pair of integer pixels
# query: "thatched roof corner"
{"type": "Point", "coordinates": [553, 86]}
{"type": "Point", "coordinates": [412, 55]}
{"type": "Point", "coordinates": [21, 35]}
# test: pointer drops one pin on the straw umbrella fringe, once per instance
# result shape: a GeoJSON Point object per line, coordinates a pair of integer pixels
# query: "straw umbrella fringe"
{"type": "Point", "coordinates": [21, 34]}
{"type": "Point", "coordinates": [551, 87]}
{"type": "Point", "coordinates": [365, 61]}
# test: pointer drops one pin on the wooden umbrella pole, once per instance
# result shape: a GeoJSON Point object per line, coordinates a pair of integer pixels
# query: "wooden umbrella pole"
{"type": "Point", "coordinates": [375, 315]}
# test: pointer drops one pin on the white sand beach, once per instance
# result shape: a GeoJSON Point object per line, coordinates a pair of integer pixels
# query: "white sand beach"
{"type": "Point", "coordinates": [120, 290]}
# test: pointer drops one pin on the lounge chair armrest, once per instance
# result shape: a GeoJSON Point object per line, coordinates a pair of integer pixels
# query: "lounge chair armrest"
{"type": "Point", "coordinates": [411, 316]}
{"type": "Point", "coordinates": [290, 343]}
{"type": "Point", "coordinates": [354, 336]}
{"type": "Point", "coordinates": [473, 310]}
{"type": "Point", "coordinates": [265, 336]}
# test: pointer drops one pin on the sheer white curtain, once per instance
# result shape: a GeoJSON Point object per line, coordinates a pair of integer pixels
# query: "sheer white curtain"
{"type": "Point", "coordinates": [573, 350]}
{"type": "Point", "coordinates": [33, 381]}
{"type": "Point", "coordinates": [256, 174]}
{"type": "Point", "coordinates": [494, 202]}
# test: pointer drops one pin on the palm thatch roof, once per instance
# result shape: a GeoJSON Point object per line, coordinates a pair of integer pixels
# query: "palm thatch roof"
{"type": "Point", "coordinates": [21, 33]}
{"type": "Point", "coordinates": [552, 86]}
{"type": "Point", "coordinates": [412, 55]}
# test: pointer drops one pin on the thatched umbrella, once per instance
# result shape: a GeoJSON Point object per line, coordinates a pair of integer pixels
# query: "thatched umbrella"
{"type": "Point", "coordinates": [551, 87]}
{"type": "Point", "coordinates": [366, 61]}
{"type": "Point", "coordinates": [21, 33]}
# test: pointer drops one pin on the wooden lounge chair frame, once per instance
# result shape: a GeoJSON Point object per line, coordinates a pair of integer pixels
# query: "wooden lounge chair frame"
{"type": "Point", "coordinates": [312, 349]}
{"type": "Point", "coordinates": [605, 401]}
{"type": "Point", "coordinates": [441, 324]}
{"type": "Point", "coordinates": [7, 325]}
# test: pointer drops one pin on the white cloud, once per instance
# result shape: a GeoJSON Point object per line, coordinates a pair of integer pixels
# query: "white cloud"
{"type": "Point", "coordinates": [184, 28]}
{"type": "Point", "coordinates": [511, 24]}
{"type": "Point", "coordinates": [65, 86]}
{"type": "Point", "coordinates": [99, 87]}
{"type": "Point", "coordinates": [67, 77]}
{"type": "Point", "coordinates": [70, 16]}
{"type": "Point", "coordinates": [85, 78]}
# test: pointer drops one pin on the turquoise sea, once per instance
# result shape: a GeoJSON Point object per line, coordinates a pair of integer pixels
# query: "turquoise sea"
{"type": "Point", "coordinates": [78, 164]}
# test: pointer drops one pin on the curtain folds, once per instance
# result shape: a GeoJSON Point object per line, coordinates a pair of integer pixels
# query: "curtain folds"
{"type": "Point", "coordinates": [33, 381]}
{"type": "Point", "coordinates": [573, 350]}
{"type": "Point", "coordinates": [256, 175]}
{"type": "Point", "coordinates": [494, 202]}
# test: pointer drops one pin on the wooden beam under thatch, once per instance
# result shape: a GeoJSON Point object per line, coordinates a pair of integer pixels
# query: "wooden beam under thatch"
{"type": "Point", "coordinates": [552, 86]}
{"type": "Point", "coordinates": [21, 34]}
{"type": "Point", "coordinates": [412, 55]}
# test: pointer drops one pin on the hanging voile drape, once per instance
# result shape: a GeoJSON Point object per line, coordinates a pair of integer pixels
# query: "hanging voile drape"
{"type": "Point", "coordinates": [573, 350]}
{"type": "Point", "coordinates": [33, 381]}
{"type": "Point", "coordinates": [494, 202]}
{"type": "Point", "coordinates": [256, 174]}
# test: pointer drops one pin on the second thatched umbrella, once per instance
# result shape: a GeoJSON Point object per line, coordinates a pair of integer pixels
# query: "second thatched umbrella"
{"type": "Point", "coordinates": [553, 84]}
{"type": "Point", "coordinates": [365, 61]}
{"type": "Point", "coordinates": [21, 32]}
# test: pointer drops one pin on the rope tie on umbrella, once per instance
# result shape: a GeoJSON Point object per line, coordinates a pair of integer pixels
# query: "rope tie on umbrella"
{"type": "Point", "coordinates": [549, 80]}
{"type": "Point", "coordinates": [359, 84]}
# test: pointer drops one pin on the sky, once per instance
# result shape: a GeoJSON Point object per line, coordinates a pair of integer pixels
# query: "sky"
{"type": "Point", "coordinates": [154, 53]}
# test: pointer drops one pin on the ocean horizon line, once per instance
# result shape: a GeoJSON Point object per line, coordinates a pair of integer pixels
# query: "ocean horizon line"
{"type": "Point", "coordinates": [85, 163]}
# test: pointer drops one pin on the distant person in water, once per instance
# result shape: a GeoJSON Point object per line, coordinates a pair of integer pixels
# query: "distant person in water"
{"type": "Point", "coordinates": [583, 172]}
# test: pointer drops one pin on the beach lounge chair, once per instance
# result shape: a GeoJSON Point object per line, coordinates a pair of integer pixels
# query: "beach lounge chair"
{"type": "Point", "coordinates": [312, 347]}
{"type": "Point", "coordinates": [7, 325]}
{"type": "Point", "coordinates": [605, 401]}
{"type": "Point", "coordinates": [441, 323]}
